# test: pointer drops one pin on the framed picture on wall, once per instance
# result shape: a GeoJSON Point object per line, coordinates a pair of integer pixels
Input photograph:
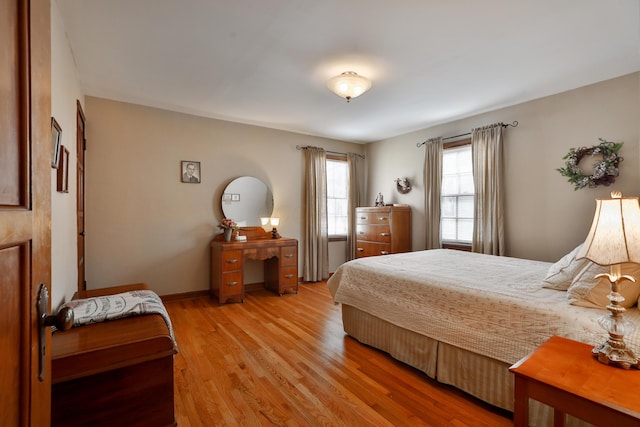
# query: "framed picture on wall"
{"type": "Point", "coordinates": [63, 171]}
{"type": "Point", "coordinates": [56, 137]}
{"type": "Point", "coordinates": [190, 171]}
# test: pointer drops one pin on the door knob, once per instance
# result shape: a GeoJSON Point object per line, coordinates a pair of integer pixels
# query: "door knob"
{"type": "Point", "coordinates": [63, 320]}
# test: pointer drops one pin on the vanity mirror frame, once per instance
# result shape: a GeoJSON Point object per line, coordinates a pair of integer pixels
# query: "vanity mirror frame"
{"type": "Point", "coordinates": [245, 199]}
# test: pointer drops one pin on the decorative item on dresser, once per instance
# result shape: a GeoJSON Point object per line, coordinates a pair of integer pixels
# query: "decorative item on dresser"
{"type": "Point", "coordinates": [383, 230]}
{"type": "Point", "coordinates": [280, 258]}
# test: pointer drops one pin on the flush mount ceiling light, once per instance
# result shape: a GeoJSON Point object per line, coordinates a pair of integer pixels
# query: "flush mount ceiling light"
{"type": "Point", "coordinates": [349, 85]}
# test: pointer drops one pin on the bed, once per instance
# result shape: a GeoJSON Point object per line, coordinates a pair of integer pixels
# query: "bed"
{"type": "Point", "coordinates": [464, 318]}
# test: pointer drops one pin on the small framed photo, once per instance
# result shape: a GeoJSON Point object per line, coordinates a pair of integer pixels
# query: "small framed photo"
{"type": "Point", "coordinates": [226, 197]}
{"type": "Point", "coordinates": [235, 197]}
{"type": "Point", "coordinates": [190, 171]}
{"type": "Point", "coordinates": [63, 171]}
{"type": "Point", "coordinates": [56, 137]}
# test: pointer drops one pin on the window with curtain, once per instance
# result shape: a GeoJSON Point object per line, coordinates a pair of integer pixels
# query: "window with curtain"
{"type": "Point", "coordinates": [457, 194]}
{"type": "Point", "coordinates": [337, 196]}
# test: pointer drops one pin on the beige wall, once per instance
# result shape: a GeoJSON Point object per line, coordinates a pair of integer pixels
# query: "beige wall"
{"type": "Point", "coordinates": [143, 224]}
{"type": "Point", "coordinates": [65, 91]}
{"type": "Point", "coordinates": [545, 217]}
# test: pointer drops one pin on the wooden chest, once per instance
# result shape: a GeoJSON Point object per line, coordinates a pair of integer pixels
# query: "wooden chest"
{"type": "Point", "coordinates": [383, 230]}
{"type": "Point", "coordinates": [118, 372]}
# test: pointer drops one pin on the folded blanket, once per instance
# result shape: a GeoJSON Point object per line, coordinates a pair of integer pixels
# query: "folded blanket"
{"type": "Point", "coordinates": [110, 307]}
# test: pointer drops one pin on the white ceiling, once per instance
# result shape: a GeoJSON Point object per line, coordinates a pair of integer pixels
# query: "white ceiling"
{"type": "Point", "coordinates": [266, 62]}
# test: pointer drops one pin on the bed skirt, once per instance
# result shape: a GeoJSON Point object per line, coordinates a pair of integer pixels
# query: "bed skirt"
{"type": "Point", "coordinates": [485, 378]}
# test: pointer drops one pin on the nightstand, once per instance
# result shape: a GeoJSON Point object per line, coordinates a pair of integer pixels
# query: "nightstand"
{"type": "Point", "coordinates": [563, 374]}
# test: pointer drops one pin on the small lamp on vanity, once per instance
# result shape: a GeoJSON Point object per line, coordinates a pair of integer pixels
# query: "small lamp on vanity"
{"type": "Point", "coordinates": [274, 223]}
{"type": "Point", "coordinates": [614, 239]}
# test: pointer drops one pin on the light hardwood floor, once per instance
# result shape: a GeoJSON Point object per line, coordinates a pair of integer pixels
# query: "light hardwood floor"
{"type": "Point", "coordinates": [286, 361]}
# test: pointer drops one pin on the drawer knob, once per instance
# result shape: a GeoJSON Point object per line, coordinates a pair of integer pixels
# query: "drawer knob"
{"type": "Point", "coordinates": [232, 261]}
{"type": "Point", "coordinates": [383, 218]}
{"type": "Point", "coordinates": [360, 232]}
{"type": "Point", "coordinates": [232, 283]}
{"type": "Point", "coordinates": [288, 276]}
{"type": "Point", "coordinates": [384, 253]}
{"type": "Point", "coordinates": [360, 249]}
{"type": "Point", "coordinates": [363, 217]}
{"type": "Point", "coordinates": [288, 256]}
{"type": "Point", "coordinates": [384, 234]}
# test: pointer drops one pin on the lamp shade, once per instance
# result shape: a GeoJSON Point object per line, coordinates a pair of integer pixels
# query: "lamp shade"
{"type": "Point", "coordinates": [349, 85]}
{"type": "Point", "coordinates": [614, 237]}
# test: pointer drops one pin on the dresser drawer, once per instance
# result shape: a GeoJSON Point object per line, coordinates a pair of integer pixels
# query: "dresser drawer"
{"type": "Point", "coordinates": [231, 261]}
{"type": "Point", "coordinates": [289, 255]}
{"type": "Point", "coordinates": [373, 233]}
{"type": "Point", "coordinates": [372, 217]}
{"type": "Point", "coordinates": [365, 249]}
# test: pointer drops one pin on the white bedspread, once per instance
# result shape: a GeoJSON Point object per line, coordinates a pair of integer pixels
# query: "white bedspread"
{"type": "Point", "coordinates": [495, 306]}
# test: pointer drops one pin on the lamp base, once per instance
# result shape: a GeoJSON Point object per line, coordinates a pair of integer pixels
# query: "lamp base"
{"type": "Point", "coordinates": [615, 352]}
{"type": "Point", "coordinates": [275, 234]}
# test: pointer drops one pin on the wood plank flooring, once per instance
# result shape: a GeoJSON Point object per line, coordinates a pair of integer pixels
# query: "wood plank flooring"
{"type": "Point", "coordinates": [286, 361]}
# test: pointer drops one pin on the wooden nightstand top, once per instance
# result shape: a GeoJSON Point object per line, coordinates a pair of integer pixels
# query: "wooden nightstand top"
{"type": "Point", "coordinates": [561, 372]}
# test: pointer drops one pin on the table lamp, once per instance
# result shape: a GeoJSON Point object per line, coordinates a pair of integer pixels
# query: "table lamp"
{"type": "Point", "coordinates": [274, 232]}
{"type": "Point", "coordinates": [614, 239]}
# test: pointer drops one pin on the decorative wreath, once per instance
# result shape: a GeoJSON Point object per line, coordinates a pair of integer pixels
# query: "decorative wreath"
{"type": "Point", "coordinates": [605, 170]}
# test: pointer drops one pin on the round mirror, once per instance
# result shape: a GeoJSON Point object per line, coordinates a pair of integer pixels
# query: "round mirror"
{"type": "Point", "coordinates": [245, 200]}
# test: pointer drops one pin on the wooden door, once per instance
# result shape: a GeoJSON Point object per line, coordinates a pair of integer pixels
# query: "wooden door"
{"type": "Point", "coordinates": [25, 207]}
{"type": "Point", "coordinates": [80, 144]}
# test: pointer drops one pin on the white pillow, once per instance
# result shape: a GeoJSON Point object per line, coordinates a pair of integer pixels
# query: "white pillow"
{"type": "Point", "coordinates": [561, 274]}
{"type": "Point", "coordinates": [586, 291]}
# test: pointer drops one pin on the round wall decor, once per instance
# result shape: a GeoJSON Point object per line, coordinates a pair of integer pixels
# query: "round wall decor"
{"type": "Point", "coordinates": [605, 170]}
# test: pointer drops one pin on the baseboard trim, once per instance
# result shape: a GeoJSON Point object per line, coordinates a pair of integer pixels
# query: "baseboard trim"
{"type": "Point", "coordinates": [249, 287]}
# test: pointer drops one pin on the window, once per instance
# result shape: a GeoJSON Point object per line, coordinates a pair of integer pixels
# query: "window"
{"type": "Point", "coordinates": [337, 193]}
{"type": "Point", "coordinates": [456, 224]}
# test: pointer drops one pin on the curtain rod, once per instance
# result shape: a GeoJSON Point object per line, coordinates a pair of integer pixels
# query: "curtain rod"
{"type": "Point", "coordinates": [304, 147]}
{"type": "Point", "coordinates": [514, 124]}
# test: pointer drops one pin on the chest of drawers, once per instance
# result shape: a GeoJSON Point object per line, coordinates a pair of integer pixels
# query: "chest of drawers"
{"type": "Point", "coordinates": [383, 230]}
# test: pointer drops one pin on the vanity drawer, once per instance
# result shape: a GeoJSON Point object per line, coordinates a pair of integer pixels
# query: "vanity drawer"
{"type": "Point", "coordinates": [289, 275]}
{"type": "Point", "coordinates": [365, 249]}
{"type": "Point", "coordinates": [373, 233]}
{"type": "Point", "coordinates": [289, 255]}
{"type": "Point", "coordinates": [232, 283]}
{"type": "Point", "coordinates": [231, 261]}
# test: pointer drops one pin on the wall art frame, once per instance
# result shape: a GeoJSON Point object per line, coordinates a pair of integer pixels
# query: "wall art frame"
{"type": "Point", "coordinates": [56, 139]}
{"type": "Point", "coordinates": [62, 182]}
{"type": "Point", "coordinates": [190, 171]}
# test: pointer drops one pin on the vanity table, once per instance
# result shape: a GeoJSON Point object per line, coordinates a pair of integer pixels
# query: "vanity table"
{"type": "Point", "coordinates": [280, 257]}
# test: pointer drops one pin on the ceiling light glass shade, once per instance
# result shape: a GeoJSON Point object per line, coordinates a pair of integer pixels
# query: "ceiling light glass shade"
{"type": "Point", "coordinates": [349, 85]}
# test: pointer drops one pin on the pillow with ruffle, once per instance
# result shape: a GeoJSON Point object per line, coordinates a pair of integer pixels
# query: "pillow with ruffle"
{"type": "Point", "coordinates": [586, 291]}
{"type": "Point", "coordinates": [561, 274]}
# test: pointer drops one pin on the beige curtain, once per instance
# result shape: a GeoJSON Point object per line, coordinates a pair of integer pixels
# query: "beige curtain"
{"type": "Point", "coordinates": [355, 199]}
{"type": "Point", "coordinates": [488, 169]}
{"type": "Point", "coordinates": [316, 234]}
{"type": "Point", "coordinates": [432, 189]}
